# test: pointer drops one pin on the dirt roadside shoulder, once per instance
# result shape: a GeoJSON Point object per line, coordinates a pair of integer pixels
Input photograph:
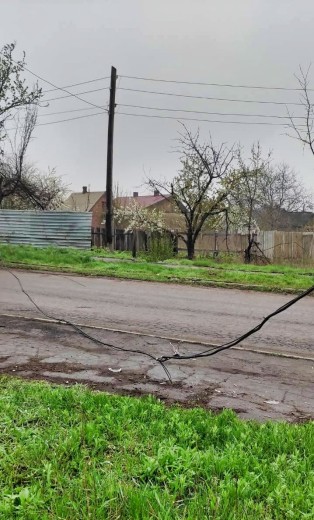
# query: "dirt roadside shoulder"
{"type": "Point", "coordinates": [254, 385]}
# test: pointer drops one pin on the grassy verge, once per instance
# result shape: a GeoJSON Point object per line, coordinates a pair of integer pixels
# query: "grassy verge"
{"type": "Point", "coordinates": [69, 453]}
{"type": "Point", "coordinates": [267, 278]}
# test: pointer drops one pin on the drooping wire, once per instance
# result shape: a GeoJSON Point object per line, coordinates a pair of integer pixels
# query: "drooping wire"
{"type": "Point", "coordinates": [176, 357]}
{"type": "Point", "coordinates": [82, 332]}
{"type": "Point", "coordinates": [233, 343]}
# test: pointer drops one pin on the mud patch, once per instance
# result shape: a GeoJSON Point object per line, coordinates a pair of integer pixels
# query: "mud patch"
{"type": "Point", "coordinates": [247, 382]}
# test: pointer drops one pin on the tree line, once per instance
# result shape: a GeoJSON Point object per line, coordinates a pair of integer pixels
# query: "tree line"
{"type": "Point", "coordinates": [221, 188]}
{"type": "Point", "coordinates": [215, 186]}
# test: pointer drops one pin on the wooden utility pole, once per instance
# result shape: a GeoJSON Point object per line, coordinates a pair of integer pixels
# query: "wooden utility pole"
{"type": "Point", "coordinates": [109, 206]}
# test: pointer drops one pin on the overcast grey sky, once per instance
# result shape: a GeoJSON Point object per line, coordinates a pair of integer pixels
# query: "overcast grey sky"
{"type": "Point", "coordinates": [250, 42]}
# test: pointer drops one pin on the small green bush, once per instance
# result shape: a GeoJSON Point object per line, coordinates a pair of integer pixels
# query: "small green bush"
{"type": "Point", "coordinates": [160, 247]}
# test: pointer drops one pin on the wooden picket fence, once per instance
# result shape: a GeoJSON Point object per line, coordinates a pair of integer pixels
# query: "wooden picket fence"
{"type": "Point", "coordinates": [277, 246]}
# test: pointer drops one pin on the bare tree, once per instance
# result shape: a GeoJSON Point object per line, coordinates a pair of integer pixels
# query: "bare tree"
{"type": "Point", "coordinates": [281, 192]}
{"type": "Point", "coordinates": [22, 186]}
{"type": "Point", "coordinates": [12, 164]}
{"type": "Point", "coordinates": [37, 190]}
{"type": "Point", "coordinates": [14, 93]}
{"type": "Point", "coordinates": [199, 190]}
{"type": "Point", "coordinates": [264, 194]}
{"type": "Point", "coordinates": [304, 131]}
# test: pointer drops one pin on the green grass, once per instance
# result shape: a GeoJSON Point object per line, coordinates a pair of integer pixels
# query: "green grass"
{"type": "Point", "coordinates": [70, 453]}
{"type": "Point", "coordinates": [197, 272]}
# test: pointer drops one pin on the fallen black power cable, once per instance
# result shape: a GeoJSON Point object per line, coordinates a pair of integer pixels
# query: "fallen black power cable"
{"type": "Point", "coordinates": [225, 346]}
{"type": "Point", "coordinates": [85, 334]}
{"type": "Point", "coordinates": [177, 357]}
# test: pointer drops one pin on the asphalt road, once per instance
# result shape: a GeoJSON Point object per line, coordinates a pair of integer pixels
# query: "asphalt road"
{"type": "Point", "coordinates": [277, 385]}
{"type": "Point", "coordinates": [202, 314]}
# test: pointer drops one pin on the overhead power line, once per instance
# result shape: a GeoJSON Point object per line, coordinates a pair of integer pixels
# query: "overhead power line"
{"type": "Point", "coordinates": [174, 94]}
{"type": "Point", "coordinates": [76, 84]}
{"type": "Point", "coordinates": [203, 120]}
{"type": "Point", "coordinates": [209, 113]}
{"type": "Point", "coordinates": [201, 83]}
{"type": "Point", "coordinates": [59, 88]}
{"type": "Point", "coordinates": [72, 119]}
{"type": "Point", "coordinates": [64, 120]}
{"type": "Point", "coordinates": [79, 94]}
{"type": "Point", "coordinates": [67, 111]}
{"type": "Point", "coordinates": [153, 116]}
{"type": "Point", "coordinates": [163, 117]}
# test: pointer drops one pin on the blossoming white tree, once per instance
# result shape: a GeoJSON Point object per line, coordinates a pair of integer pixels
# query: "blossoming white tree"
{"type": "Point", "coordinates": [135, 218]}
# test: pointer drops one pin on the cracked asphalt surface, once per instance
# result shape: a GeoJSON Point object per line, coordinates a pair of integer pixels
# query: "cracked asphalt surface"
{"type": "Point", "coordinates": [252, 383]}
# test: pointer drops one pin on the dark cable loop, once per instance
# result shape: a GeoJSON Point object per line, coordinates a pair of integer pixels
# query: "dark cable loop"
{"type": "Point", "coordinates": [179, 357]}
{"type": "Point", "coordinates": [85, 334]}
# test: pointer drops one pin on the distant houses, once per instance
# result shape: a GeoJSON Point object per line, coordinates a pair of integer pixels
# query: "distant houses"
{"type": "Point", "coordinates": [95, 202]}
{"type": "Point", "coordinates": [91, 201]}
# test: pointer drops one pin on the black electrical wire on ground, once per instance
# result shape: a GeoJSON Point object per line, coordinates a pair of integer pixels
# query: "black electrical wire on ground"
{"type": "Point", "coordinates": [85, 334]}
{"type": "Point", "coordinates": [176, 357]}
{"type": "Point", "coordinates": [225, 346]}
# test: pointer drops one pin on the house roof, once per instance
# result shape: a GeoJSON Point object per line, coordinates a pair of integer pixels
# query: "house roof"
{"type": "Point", "coordinates": [143, 200]}
{"type": "Point", "coordinates": [82, 201]}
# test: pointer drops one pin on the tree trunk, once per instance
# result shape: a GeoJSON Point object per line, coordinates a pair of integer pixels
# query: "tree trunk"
{"type": "Point", "coordinates": [175, 244]}
{"type": "Point", "coordinates": [248, 250]}
{"type": "Point", "coordinates": [190, 245]}
{"type": "Point", "coordinates": [134, 248]}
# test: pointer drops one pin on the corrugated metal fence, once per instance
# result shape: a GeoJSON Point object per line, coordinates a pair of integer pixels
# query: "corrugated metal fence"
{"type": "Point", "coordinates": [46, 228]}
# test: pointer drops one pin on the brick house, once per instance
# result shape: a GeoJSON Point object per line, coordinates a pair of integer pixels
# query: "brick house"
{"type": "Point", "coordinates": [92, 201]}
{"type": "Point", "coordinates": [163, 203]}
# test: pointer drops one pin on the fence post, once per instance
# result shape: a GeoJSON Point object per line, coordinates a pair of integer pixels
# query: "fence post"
{"type": "Point", "coordinates": [98, 236]}
{"type": "Point", "coordinates": [175, 241]}
{"type": "Point", "coordinates": [92, 237]}
{"type": "Point", "coordinates": [103, 237]}
{"type": "Point", "coordinates": [216, 245]}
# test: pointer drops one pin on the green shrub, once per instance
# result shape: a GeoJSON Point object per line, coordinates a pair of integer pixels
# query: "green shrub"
{"type": "Point", "coordinates": [160, 247]}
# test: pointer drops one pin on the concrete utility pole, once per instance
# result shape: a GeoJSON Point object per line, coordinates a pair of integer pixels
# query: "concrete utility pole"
{"type": "Point", "coordinates": [109, 206]}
